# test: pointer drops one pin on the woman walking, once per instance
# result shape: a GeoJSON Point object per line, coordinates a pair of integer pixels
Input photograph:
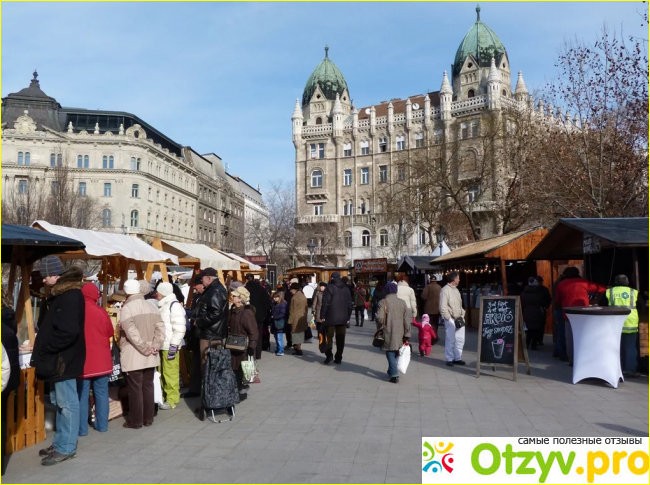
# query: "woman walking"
{"type": "Point", "coordinates": [394, 316]}
{"type": "Point", "coordinates": [279, 317]}
{"type": "Point", "coordinates": [298, 318]}
{"type": "Point", "coordinates": [242, 322]}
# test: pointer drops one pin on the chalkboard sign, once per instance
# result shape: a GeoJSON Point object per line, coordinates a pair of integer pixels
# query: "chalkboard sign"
{"type": "Point", "coordinates": [501, 333]}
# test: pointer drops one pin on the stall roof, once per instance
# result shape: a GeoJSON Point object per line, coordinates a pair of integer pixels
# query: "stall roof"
{"type": "Point", "coordinates": [209, 258]}
{"type": "Point", "coordinates": [251, 266]}
{"type": "Point", "coordinates": [109, 244]}
{"type": "Point", "coordinates": [484, 247]}
{"type": "Point", "coordinates": [416, 262]}
{"type": "Point", "coordinates": [314, 269]}
{"type": "Point", "coordinates": [564, 241]}
{"type": "Point", "coordinates": [37, 244]}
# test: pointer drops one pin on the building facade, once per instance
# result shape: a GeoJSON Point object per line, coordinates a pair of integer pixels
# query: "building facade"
{"type": "Point", "coordinates": [256, 216]}
{"type": "Point", "coordinates": [346, 156]}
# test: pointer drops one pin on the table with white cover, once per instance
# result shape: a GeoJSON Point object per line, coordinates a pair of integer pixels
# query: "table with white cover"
{"type": "Point", "coordinates": [597, 342]}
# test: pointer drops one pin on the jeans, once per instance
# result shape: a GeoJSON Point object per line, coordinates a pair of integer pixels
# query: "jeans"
{"type": "Point", "coordinates": [170, 371]}
{"type": "Point", "coordinates": [279, 342]}
{"type": "Point", "coordinates": [628, 352]}
{"type": "Point", "coordinates": [100, 395]}
{"type": "Point", "coordinates": [454, 341]}
{"type": "Point", "coordinates": [359, 313]}
{"type": "Point", "coordinates": [141, 403]}
{"type": "Point", "coordinates": [391, 355]}
{"type": "Point", "coordinates": [339, 331]}
{"type": "Point", "coordinates": [560, 344]}
{"type": "Point", "coordinates": [66, 400]}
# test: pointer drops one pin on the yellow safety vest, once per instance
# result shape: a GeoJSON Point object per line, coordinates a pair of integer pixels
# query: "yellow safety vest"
{"type": "Point", "coordinates": [625, 297]}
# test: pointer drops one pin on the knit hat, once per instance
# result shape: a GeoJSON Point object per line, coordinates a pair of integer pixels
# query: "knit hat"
{"type": "Point", "coordinates": [425, 319]}
{"type": "Point", "coordinates": [145, 287]}
{"type": "Point", "coordinates": [532, 281]}
{"type": "Point", "coordinates": [235, 284]}
{"type": "Point", "coordinates": [132, 287]}
{"type": "Point", "coordinates": [243, 293]}
{"type": "Point", "coordinates": [391, 288]}
{"type": "Point", "coordinates": [51, 266]}
{"type": "Point", "coordinates": [295, 286]}
{"type": "Point", "coordinates": [294, 280]}
{"type": "Point", "coordinates": [336, 274]}
{"type": "Point", "coordinates": [165, 289]}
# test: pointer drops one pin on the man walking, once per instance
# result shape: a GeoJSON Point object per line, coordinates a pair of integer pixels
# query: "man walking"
{"type": "Point", "coordinates": [260, 299]}
{"type": "Point", "coordinates": [359, 303]}
{"type": "Point", "coordinates": [451, 310]}
{"type": "Point", "coordinates": [60, 353]}
{"type": "Point", "coordinates": [622, 295]}
{"type": "Point", "coordinates": [335, 315]}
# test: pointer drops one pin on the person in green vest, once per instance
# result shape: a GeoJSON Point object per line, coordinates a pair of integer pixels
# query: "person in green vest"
{"type": "Point", "coordinates": [622, 295]}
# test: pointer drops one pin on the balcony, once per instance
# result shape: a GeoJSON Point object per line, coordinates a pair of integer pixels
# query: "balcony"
{"type": "Point", "coordinates": [365, 219]}
{"type": "Point", "coordinates": [329, 218]}
{"type": "Point", "coordinates": [323, 251]}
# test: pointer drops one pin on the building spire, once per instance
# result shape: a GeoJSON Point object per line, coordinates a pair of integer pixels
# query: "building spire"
{"type": "Point", "coordinates": [520, 88]}
{"type": "Point", "coordinates": [494, 72]}
{"type": "Point", "coordinates": [297, 112]}
{"type": "Point", "coordinates": [35, 80]}
{"type": "Point", "coordinates": [445, 88]}
{"type": "Point", "coordinates": [478, 12]}
{"type": "Point", "coordinates": [327, 50]}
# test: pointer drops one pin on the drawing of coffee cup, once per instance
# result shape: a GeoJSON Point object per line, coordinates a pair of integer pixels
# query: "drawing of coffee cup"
{"type": "Point", "coordinates": [497, 348]}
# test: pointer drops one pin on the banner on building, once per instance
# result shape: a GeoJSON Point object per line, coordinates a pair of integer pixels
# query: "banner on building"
{"type": "Point", "coordinates": [371, 265]}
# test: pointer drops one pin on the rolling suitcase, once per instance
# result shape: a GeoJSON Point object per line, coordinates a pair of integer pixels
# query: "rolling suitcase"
{"type": "Point", "coordinates": [220, 385]}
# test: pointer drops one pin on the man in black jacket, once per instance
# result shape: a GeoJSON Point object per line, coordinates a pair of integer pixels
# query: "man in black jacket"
{"type": "Point", "coordinates": [60, 353]}
{"type": "Point", "coordinates": [261, 301]}
{"type": "Point", "coordinates": [211, 317]}
{"type": "Point", "coordinates": [193, 342]}
{"type": "Point", "coordinates": [335, 315]}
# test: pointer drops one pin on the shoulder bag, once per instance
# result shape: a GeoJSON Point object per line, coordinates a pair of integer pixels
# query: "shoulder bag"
{"type": "Point", "coordinates": [237, 342]}
{"type": "Point", "coordinates": [380, 337]}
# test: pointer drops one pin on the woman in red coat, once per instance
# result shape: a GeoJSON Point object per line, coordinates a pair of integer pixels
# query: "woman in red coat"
{"type": "Point", "coordinates": [99, 362]}
{"type": "Point", "coordinates": [426, 335]}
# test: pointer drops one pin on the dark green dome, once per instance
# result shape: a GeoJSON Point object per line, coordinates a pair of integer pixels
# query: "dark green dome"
{"type": "Point", "coordinates": [481, 42]}
{"type": "Point", "coordinates": [326, 76]}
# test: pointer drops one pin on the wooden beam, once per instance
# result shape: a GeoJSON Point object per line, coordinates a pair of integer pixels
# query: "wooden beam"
{"type": "Point", "coordinates": [29, 314]}
{"type": "Point", "coordinates": [504, 279]}
{"type": "Point", "coordinates": [138, 269]}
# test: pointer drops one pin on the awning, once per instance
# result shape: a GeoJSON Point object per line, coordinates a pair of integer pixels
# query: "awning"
{"type": "Point", "coordinates": [37, 244]}
{"type": "Point", "coordinates": [101, 244]}
{"type": "Point", "coordinates": [422, 263]}
{"type": "Point", "coordinates": [209, 258]}
{"type": "Point", "coordinates": [251, 266]}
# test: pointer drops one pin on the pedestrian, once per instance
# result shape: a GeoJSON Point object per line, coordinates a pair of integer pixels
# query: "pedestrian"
{"type": "Point", "coordinates": [142, 334]}
{"type": "Point", "coordinates": [308, 291]}
{"type": "Point", "coordinates": [426, 335]}
{"type": "Point", "coordinates": [360, 297]}
{"type": "Point", "coordinates": [242, 322]}
{"type": "Point", "coordinates": [394, 316]}
{"type": "Point", "coordinates": [298, 318]}
{"type": "Point", "coordinates": [287, 297]}
{"type": "Point", "coordinates": [431, 297]}
{"type": "Point", "coordinates": [574, 291]}
{"type": "Point", "coordinates": [60, 353]}
{"type": "Point", "coordinates": [260, 300]}
{"type": "Point", "coordinates": [279, 321]}
{"type": "Point", "coordinates": [10, 352]}
{"type": "Point", "coordinates": [452, 312]}
{"type": "Point", "coordinates": [318, 304]}
{"type": "Point", "coordinates": [335, 314]}
{"type": "Point", "coordinates": [377, 295]}
{"type": "Point", "coordinates": [349, 286]}
{"type": "Point", "coordinates": [407, 295]}
{"type": "Point", "coordinates": [534, 302]}
{"type": "Point", "coordinates": [192, 338]}
{"type": "Point", "coordinates": [98, 331]}
{"type": "Point", "coordinates": [622, 295]}
{"type": "Point", "coordinates": [173, 316]}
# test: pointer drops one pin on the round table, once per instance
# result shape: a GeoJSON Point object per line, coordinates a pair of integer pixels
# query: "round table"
{"type": "Point", "coordinates": [597, 342]}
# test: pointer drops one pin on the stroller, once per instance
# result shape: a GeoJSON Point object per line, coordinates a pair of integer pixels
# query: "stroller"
{"type": "Point", "coordinates": [220, 385]}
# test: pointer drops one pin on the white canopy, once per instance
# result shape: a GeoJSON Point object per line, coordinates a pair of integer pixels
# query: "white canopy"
{"type": "Point", "coordinates": [209, 257]}
{"type": "Point", "coordinates": [109, 244]}
{"type": "Point", "coordinates": [251, 266]}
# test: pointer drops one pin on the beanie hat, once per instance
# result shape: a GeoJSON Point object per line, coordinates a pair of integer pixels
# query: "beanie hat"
{"type": "Point", "coordinates": [294, 280]}
{"type": "Point", "coordinates": [294, 286]}
{"type": "Point", "coordinates": [51, 266]}
{"type": "Point", "coordinates": [235, 284]}
{"type": "Point", "coordinates": [145, 287]}
{"type": "Point", "coordinates": [165, 289]}
{"type": "Point", "coordinates": [132, 287]}
{"type": "Point", "coordinates": [243, 293]}
{"type": "Point", "coordinates": [425, 319]}
{"type": "Point", "coordinates": [391, 288]}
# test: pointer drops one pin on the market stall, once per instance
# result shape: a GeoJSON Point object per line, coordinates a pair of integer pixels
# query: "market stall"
{"type": "Point", "coordinates": [321, 273]}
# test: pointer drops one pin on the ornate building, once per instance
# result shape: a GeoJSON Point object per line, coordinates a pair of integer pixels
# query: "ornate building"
{"type": "Point", "coordinates": [346, 156]}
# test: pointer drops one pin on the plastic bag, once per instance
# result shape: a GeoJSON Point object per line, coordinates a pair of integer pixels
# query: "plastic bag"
{"type": "Point", "coordinates": [248, 369]}
{"type": "Point", "coordinates": [157, 389]}
{"type": "Point", "coordinates": [312, 323]}
{"type": "Point", "coordinates": [404, 358]}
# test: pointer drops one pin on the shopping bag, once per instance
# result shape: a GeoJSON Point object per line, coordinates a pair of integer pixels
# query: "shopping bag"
{"type": "Point", "coordinates": [256, 375]}
{"type": "Point", "coordinates": [322, 342]}
{"type": "Point", "coordinates": [157, 389]}
{"type": "Point", "coordinates": [248, 369]}
{"type": "Point", "coordinates": [308, 334]}
{"type": "Point", "coordinates": [404, 358]}
{"type": "Point", "coordinates": [116, 377]}
{"type": "Point", "coordinates": [312, 322]}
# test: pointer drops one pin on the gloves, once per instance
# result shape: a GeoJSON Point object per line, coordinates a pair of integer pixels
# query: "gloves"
{"type": "Point", "coordinates": [250, 351]}
{"type": "Point", "coordinates": [171, 354]}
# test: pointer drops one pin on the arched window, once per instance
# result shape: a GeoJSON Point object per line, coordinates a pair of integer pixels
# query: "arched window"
{"type": "Point", "coordinates": [317, 178]}
{"type": "Point", "coordinates": [319, 121]}
{"type": "Point", "coordinates": [401, 144]}
{"type": "Point", "coordinates": [21, 158]}
{"type": "Point", "coordinates": [27, 158]}
{"type": "Point", "coordinates": [347, 149]}
{"type": "Point", "coordinates": [135, 190]}
{"type": "Point", "coordinates": [419, 140]}
{"type": "Point", "coordinates": [347, 239]}
{"type": "Point", "coordinates": [86, 161]}
{"type": "Point", "coordinates": [148, 220]}
{"type": "Point", "coordinates": [365, 238]}
{"type": "Point", "coordinates": [423, 236]}
{"type": "Point", "coordinates": [470, 93]}
{"type": "Point", "coordinates": [106, 218]}
{"type": "Point", "coordinates": [157, 221]}
{"type": "Point", "coordinates": [80, 161]}
{"type": "Point", "coordinates": [383, 237]}
{"type": "Point", "coordinates": [134, 218]}
{"type": "Point", "coordinates": [345, 208]}
{"type": "Point", "coordinates": [468, 162]}
{"type": "Point", "coordinates": [363, 206]}
{"type": "Point", "coordinates": [52, 160]}
{"type": "Point", "coordinates": [504, 93]}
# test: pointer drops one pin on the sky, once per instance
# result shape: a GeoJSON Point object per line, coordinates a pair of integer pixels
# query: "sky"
{"type": "Point", "coordinates": [224, 77]}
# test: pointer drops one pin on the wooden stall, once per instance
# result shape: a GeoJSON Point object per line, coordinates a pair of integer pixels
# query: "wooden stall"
{"type": "Point", "coordinates": [322, 273]}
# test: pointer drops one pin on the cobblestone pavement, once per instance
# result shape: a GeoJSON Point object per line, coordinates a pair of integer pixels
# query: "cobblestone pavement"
{"type": "Point", "coordinates": [311, 423]}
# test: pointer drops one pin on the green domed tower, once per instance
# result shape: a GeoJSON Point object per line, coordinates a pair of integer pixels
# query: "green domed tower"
{"type": "Point", "coordinates": [328, 79]}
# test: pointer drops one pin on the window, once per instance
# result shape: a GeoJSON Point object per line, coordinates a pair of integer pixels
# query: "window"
{"type": "Point", "coordinates": [472, 194]}
{"type": "Point", "coordinates": [383, 237]}
{"type": "Point", "coordinates": [318, 209]}
{"type": "Point", "coordinates": [475, 128]}
{"type": "Point", "coordinates": [165, 225]}
{"type": "Point", "coordinates": [135, 190]}
{"type": "Point", "coordinates": [363, 206]}
{"type": "Point", "coordinates": [468, 163]}
{"type": "Point", "coordinates": [347, 150]}
{"type": "Point", "coordinates": [22, 186]}
{"type": "Point", "coordinates": [21, 158]}
{"type": "Point", "coordinates": [158, 196]}
{"type": "Point", "coordinates": [82, 189]}
{"type": "Point", "coordinates": [401, 173]}
{"type": "Point", "coordinates": [55, 188]}
{"type": "Point", "coordinates": [317, 178]}
{"type": "Point", "coordinates": [423, 237]}
{"type": "Point", "coordinates": [383, 144]}
{"type": "Point", "coordinates": [106, 218]}
{"type": "Point", "coordinates": [149, 194]}
{"type": "Point", "coordinates": [134, 218]}
{"type": "Point", "coordinates": [365, 176]}
{"type": "Point", "coordinates": [400, 142]}
{"type": "Point", "coordinates": [464, 131]}
{"type": "Point", "coordinates": [56, 160]}
{"type": "Point", "coordinates": [173, 201]}
{"type": "Point", "coordinates": [345, 208]}
{"type": "Point", "coordinates": [108, 162]}
{"type": "Point", "coordinates": [148, 220]}
{"type": "Point", "coordinates": [437, 137]}
{"type": "Point", "coordinates": [419, 140]}
{"type": "Point", "coordinates": [347, 177]}
{"type": "Point", "coordinates": [380, 205]}
{"type": "Point", "coordinates": [321, 150]}
{"type": "Point", "coordinates": [157, 221]}
{"type": "Point", "coordinates": [107, 190]}
{"type": "Point", "coordinates": [347, 239]}
{"type": "Point", "coordinates": [351, 208]}
{"type": "Point", "coordinates": [319, 121]}
{"type": "Point", "coordinates": [383, 173]}
{"type": "Point", "coordinates": [165, 200]}
{"type": "Point", "coordinates": [365, 238]}
{"type": "Point", "coordinates": [313, 150]}
{"type": "Point", "coordinates": [80, 161]}
{"type": "Point", "coordinates": [135, 163]}
{"type": "Point", "coordinates": [470, 93]}
{"type": "Point", "coordinates": [27, 158]}
{"type": "Point", "coordinates": [365, 148]}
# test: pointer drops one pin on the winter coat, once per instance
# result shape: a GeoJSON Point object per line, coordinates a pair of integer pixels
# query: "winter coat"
{"type": "Point", "coordinates": [279, 313]}
{"type": "Point", "coordinates": [298, 312]}
{"type": "Point", "coordinates": [242, 322]}
{"type": "Point", "coordinates": [534, 302]}
{"type": "Point", "coordinates": [141, 331]}
{"type": "Point", "coordinates": [395, 317]}
{"type": "Point", "coordinates": [98, 331]}
{"type": "Point", "coordinates": [9, 319]}
{"type": "Point", "coordinates": [60, 348]}
{"type": "Point", "coordinates": [431, 297]}
{"type": "Point", "coordinates": [451, 303]}
{"type": "Point", "coordinates": [575, 292]}
{"type": "Point", "coordinates": [425, 334]}
{"type": "Point", "coordinates": [6, 369]}
{"type": "Point", "coordinates": [173, 315]}
{"type": "Point", "coordinates": [211, 315]}
{"type": "Point", "coordinates": [378, 295]}
{"type": "Point", "coordinates": [337, 304]}
{"type": "Point", "coordinates": [259, 299]}
{"type": "Point", "coordinates": [407, 295]}
{"type": "Point", "coordinates": [317, 304]}
{"type": "Point", "coordinates": [10, 343]}
{"type": "Point", "coordinates": [360, 296]}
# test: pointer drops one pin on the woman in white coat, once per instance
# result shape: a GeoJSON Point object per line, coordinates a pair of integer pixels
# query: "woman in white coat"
{"type": "Point", "coordinates": [407, 295]}
{"type": "Point", "coordinates": [173, 315]}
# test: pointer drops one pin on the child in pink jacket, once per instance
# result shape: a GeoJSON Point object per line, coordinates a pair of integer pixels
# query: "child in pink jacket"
{"type": "Point", "coordinates": [427, 335]}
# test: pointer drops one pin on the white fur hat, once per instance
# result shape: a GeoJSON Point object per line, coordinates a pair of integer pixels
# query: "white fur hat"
{"type": "Point", "coordinates": [132, 287]}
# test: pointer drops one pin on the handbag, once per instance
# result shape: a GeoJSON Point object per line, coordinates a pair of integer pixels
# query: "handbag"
{"type": "Point", "coordinates": [459, 322]}
{"type": "Point", "coordinates": [279, 324]}
{"type": "Point", "coordinates": [116, 376]}
{"type": "Point", "coordinates": [322, 342]}
{"type": "Point", "coordinates": [237, 342]}
{"type": "Point", "coordinates": [380, 337]}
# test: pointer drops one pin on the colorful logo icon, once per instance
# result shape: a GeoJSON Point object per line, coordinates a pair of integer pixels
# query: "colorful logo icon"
{"type": "Point", "coordinates": [445, 461]}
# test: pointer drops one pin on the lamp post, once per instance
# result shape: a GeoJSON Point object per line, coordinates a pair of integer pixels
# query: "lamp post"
{"type": "Point", "coordinates": [440, 236]}
{"type": "Point", "coordinates": [311, 246]}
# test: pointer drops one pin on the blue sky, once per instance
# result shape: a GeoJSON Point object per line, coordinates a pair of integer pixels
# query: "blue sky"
{"type": "Point", "coordinates": [223, 77]}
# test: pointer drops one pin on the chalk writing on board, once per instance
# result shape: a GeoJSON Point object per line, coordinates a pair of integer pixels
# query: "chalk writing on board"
{"type": "Point", "coordinates": [498, 322]}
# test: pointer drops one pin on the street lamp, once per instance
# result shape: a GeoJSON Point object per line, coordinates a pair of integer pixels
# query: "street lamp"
{"type": "Point", "coordinates": [440, 236]}
{"type": "Point", "coordinates": [311, 246]}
